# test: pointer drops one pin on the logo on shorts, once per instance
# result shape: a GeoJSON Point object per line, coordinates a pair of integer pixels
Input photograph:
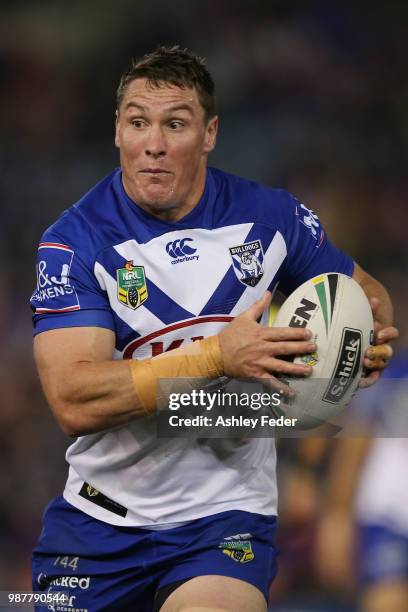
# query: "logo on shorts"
{"type": "Point", "coordinates": [67, 582]}
{"type": "Point", "coordinates": [238, 547]}
{"type": "Point", "coordinates": [132, 289]}
{"type": "Point", "coordinates": [89, 492]}
{"type": "Point", "coordinates": [247, 262]}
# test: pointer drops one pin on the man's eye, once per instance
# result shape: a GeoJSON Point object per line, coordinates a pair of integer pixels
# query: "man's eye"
{"type": "Point", "coordinates": [175, 125]}
{"type": "Point", "coordinates": [137, 123]}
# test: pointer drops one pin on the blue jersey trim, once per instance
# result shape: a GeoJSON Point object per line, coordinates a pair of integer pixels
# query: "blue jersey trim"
{"type": "Point", "coordinates": [124, 333]}
{"type": "Point", "coordinates": [80, 318]}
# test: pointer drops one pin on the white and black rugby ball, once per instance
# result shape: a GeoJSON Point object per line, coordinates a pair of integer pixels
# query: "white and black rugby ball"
{"type": "Point", "coordinates": [335, 308]}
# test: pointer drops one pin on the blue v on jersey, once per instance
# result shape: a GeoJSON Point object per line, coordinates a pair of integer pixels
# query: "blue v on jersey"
{"type": "Point", "coordinates": [156, 284]}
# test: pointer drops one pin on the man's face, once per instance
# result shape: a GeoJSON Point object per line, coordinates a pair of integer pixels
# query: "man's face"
{"type": "Point", "coordinates": [164, 141]}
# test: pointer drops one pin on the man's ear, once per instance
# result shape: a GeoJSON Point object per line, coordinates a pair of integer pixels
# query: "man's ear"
{"type": "Point", "coordinates": [117, 143]}
{"type": "Point", "coordinates": [211, 134]}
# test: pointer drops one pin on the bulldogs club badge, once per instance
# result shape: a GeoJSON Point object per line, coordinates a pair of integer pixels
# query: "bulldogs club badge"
{"type": "Point", "coordinates": [132, 289]}
{"type": "Point", "coordinates": [247, 262]}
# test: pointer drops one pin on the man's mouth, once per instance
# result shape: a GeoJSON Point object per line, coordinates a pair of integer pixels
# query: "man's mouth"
{"type": "Point", "coordinates": [154, 171]}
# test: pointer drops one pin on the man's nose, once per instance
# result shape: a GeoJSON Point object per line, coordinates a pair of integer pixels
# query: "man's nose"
{"type": "Point", "coordinates": [155, 145]}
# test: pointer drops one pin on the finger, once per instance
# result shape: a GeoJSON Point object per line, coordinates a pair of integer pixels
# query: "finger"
{"type": "Point", "coordinates": [387, 334]}
{"type": "Point", "coordinates": [255, 311]}
{"type": "Point", "coordinates": [377, 357]}
{"type": "Point", "coordinates": [379, 352]}
{"type": "Point", "coordinates": [369, 381]}
{"type": "Point", "coordinates": [289, 348]}
{"type": "Point", "coordinates": [276, 334]}
{"type": "Point", "coordinates": [279, 366]}
{"type": "Point", "coordinates": [374, 303]}
{"type": "Point", "coordinates": [273, 384]}
{"type": "Point", "coordinates": [377, 364]}
{"type": "Point", "coordinates": [377, 328]}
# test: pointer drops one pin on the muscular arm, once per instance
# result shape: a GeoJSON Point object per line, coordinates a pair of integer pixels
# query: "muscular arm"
{"type": "Point", "coordinates": [84, 386]}
{"type": "Point", "coordinates": [89, 391]}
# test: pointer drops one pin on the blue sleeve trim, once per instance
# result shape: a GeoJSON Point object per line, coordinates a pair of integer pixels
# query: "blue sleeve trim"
{"type": "Point", "coordinates": [352, 265]}
{"type": "Point", "coordinates": [79, 318]}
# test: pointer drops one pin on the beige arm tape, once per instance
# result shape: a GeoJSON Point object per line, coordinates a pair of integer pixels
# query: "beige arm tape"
{"type": "Point", "coordinates": [199, 359]}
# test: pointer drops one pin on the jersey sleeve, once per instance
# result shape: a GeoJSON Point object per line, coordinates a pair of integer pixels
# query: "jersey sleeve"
{"type": "Point", "coordinates": [309, 251]}
{"type": "Point", "coordinates": [67, 293]}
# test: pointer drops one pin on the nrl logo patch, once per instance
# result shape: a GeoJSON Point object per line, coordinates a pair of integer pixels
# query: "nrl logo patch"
{"type": "Point", "coordinates": [247, 262]}
{"type": "Point", "coordinates": [238, 550]}
{"type": "Point", "coordinates": [132, 289]}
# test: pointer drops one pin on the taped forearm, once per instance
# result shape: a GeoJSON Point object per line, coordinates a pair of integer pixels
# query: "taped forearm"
{"type": "Point", "coordinates": [199, 360]}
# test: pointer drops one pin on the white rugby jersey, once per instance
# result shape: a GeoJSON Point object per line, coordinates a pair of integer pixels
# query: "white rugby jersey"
{"type": "Point", "coordinates": [156, 284]}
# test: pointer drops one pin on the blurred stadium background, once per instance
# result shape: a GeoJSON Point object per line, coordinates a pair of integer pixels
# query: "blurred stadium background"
{"type": "Point", "coordinates": [312, 96]}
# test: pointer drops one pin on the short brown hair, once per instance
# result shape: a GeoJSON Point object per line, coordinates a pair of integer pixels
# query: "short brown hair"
{"type": "Point", "coordinates": [176, 66]}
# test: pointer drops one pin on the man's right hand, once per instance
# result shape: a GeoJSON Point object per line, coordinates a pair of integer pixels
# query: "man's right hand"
{"type": "Point", "coordinates": [251, 350]}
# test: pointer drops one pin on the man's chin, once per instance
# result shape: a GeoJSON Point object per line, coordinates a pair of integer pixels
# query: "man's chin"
{"type": "Point", "coordinates": [157, 201]}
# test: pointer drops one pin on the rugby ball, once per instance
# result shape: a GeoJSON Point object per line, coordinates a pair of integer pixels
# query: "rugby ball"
{"type": "Point", "coordinates": [335, 308]}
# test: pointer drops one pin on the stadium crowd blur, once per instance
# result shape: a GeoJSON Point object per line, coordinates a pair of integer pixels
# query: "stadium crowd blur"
{"type": "Point", "coordinates": [312, 96]}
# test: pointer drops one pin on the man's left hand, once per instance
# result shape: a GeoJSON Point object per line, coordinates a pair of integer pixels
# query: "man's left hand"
{"type": "Point", "coordinates": [377, 357]}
